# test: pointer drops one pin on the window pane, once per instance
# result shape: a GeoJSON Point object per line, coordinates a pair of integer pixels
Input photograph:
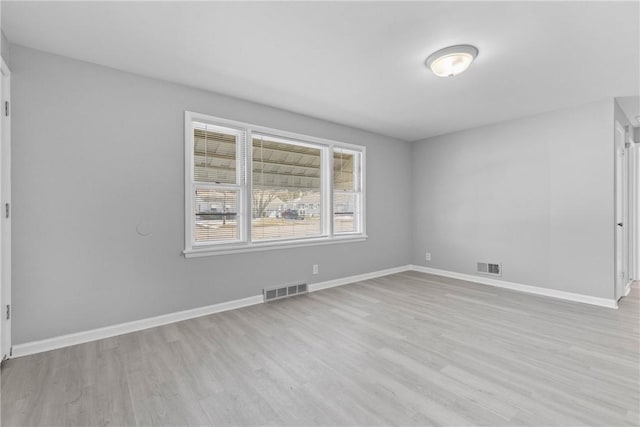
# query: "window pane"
{"type": "Point", "coordinates": [216, 215]}
{"type": "Point", "coordinates": [346, 213]}
{"type": "Point", "coordinates": [345, 169]}
{"type": "Point", "coordinates": [286, 200]}
{"type": "Point", "coordinates": [281, 215]}
{"type": "Point", "coordinates": [214, 153]}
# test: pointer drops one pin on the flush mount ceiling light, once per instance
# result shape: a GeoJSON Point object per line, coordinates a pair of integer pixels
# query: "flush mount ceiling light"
{"type": "Point", "coordinates": [452, 60]}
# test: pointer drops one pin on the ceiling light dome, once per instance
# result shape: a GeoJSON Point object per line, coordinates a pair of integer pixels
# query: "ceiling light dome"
{"type": "Point", "coordinates": [452, 60]}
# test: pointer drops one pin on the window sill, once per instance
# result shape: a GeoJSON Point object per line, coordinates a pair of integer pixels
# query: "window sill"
{"type": "Point", "coordinates": [266, 246]}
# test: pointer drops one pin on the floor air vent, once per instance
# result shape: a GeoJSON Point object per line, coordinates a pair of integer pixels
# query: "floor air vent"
{"type": "Point", "coordinates": [284, 291]}
{"type": "Point", "coordinates": [489, 268]}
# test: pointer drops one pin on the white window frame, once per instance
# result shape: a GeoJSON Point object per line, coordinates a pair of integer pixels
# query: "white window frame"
{"type": "Point", "coordinates": [244, 152]}
{"type": "Point", "coordinates": [358, 192]}
{"type": "Point", "coordinates": [238, 187]}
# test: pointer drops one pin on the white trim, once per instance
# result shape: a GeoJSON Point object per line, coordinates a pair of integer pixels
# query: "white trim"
{"type": "Point", "coordinates": [188, 182]}
{"type": "Point", "coordinates": [244, 187]}
{"type": "Point", "coordinates": [570, 296]}
{"type": "Point", "coordinates": [326, 217]}
{"type": "Point", "coordinates": [227, 249]}
{"type": "Point", "coordinates": [357, 278]}
{"type": "Point", "coordinates": [621, 210]}
{"type": "Point", "coordinates": [246, 230]}
{"type": "Point", "coordinates": [5, 197]}
{"type": "Point", "coordinates": [634, 209]}
{"type": "Point", "coordinates": [125, 328]}
{"type": "Point", "coordinates": [295, 137]}
{"type": "Point", "coordinates": [138, 325]}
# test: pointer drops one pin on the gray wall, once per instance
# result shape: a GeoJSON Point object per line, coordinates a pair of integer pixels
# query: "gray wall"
{"type": "Point", "coordinates": [535, 194]}
{"type": "Point", "coordinates": [96, 150]}
{"type": "Point", "coordinates": [5, 51]}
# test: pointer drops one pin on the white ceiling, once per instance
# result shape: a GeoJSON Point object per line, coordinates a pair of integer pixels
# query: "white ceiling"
{"type": "Point", "coordinates": [357, 63]}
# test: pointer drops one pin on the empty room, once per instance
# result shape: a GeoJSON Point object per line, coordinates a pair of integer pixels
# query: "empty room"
{"type": "Point", "coordinates": [294, 213]}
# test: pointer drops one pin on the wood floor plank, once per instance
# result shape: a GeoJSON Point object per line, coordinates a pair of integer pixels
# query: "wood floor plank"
{"type": "Point", "coordinates": [406, 349]}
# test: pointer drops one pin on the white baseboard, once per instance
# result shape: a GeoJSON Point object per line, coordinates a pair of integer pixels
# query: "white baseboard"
{"type": "Point", "coordinates": [570, 296]}
{"type": "Point", "coordinates": [138, 325]}
{"type": "Point", "coordinates": [124, 328]}
{"type": "Point", "coordinates": [358, 278]}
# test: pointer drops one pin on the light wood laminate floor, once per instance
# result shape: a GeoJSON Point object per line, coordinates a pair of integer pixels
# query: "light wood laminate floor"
{"type": "Point", "coordinates": [405, 349]}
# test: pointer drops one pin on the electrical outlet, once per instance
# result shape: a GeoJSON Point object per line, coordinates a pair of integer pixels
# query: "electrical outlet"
{"type": "Point", "coordinates": [427, 256]}
{"type": "Point", "coordinates": [315, 268]}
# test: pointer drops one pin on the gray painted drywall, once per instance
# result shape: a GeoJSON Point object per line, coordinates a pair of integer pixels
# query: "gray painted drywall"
{"type": "Point", "coordinates": [96, 150]}
{"type": "Point", "coordinates": [535, 194]}
{"type": "Point", "coordinates": [5, 50]}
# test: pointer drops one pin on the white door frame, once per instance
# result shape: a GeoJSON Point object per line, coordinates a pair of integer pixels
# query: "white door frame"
{"type": "Point", "coordinates": [634, 209]}
{"type": "Point", "coordinates": [5, 214]}
{"type": "Point", "coordinates": [622, 224]}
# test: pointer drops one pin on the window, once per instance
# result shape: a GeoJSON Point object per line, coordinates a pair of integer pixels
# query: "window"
{"type": "Point", "coordinates": [287, 176]}
{"type": "Point", "coordinates": [251, 188]}
{"type": "Point", "coordinates": [347, 191]}
{"type": "Point", "coordinates": [216, 188]}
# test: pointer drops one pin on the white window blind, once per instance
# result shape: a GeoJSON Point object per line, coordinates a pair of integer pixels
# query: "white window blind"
{"type": "Point", "coordinates": [215, 154]}
{"type": "Point", "coordinates": [216, 215]}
